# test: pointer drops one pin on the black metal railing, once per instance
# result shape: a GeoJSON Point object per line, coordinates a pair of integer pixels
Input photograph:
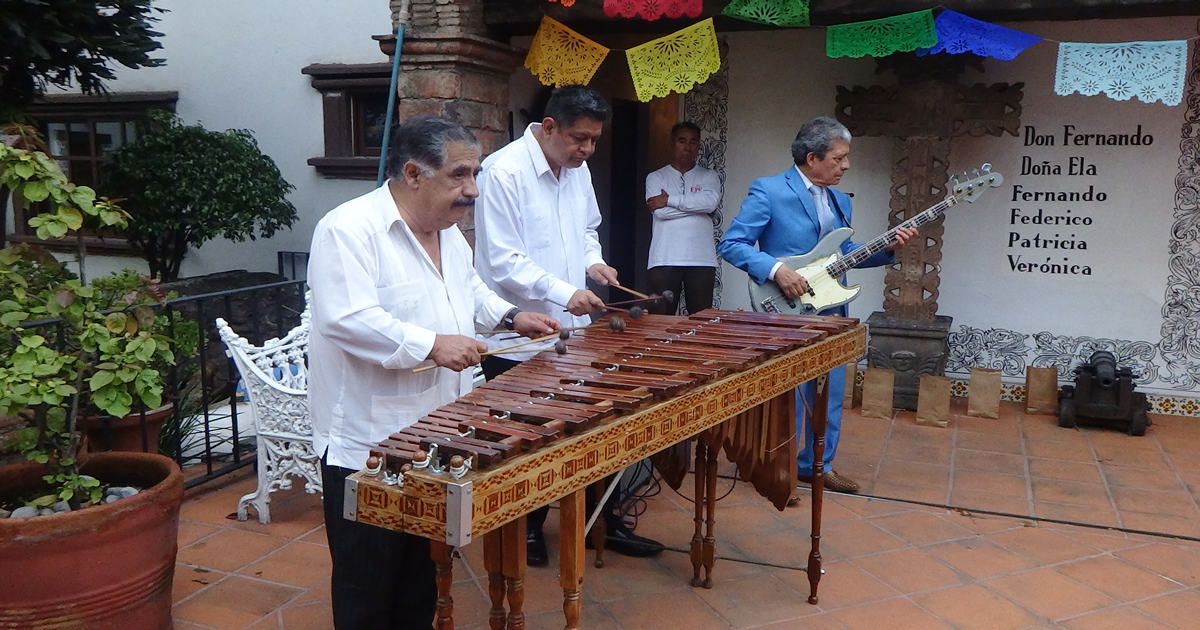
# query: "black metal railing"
{"type": "Point", "coordinates": [198, 430]}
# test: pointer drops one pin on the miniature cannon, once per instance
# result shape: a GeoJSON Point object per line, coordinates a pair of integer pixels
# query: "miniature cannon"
{"type": "Point", "coordinates": [1103, 395]}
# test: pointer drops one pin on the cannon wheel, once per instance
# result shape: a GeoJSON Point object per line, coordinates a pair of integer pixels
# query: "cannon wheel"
{"type": "Point", "coordinates": [1140, 420]}
{"type": "Point", "coordinates": [1066, 413]}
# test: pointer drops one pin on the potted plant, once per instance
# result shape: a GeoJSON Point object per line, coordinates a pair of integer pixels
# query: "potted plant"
{"type": "Point", "coordinates": [184, 185]}
{"type": "Point", "coordinates": [101, 553]}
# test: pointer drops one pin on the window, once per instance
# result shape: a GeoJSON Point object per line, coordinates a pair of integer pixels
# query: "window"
{"type": "Point", "coordinates": [354, 101]}
{"type": "Point", "coordinates": [82, 133]}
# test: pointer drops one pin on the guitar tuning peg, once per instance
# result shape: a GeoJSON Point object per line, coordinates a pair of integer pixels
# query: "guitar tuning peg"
{"type": "Point", "coordinates": [986, 168]}
{"type": "Point", "coordinates": [975, 172]}
{"type": "Point", "coordinates": [954, 179]}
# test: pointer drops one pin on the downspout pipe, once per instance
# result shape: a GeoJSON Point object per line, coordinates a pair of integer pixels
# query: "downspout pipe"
{"type": "Point", "coordinates": [391, 106]}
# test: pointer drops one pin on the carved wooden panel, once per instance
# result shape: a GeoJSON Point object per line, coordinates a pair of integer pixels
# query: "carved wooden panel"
{"type": "Point", "coordinates": [919, 177]}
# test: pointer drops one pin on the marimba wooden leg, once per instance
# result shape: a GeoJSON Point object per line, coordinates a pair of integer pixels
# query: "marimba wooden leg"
{"type": "Point", "coordinates": [445, 577]}
{"type": "Point", "coordinates": [710, 515]}
{"type": "Point", "coordinates": [600, 527]}
{"type": "Point", "coordinates": [513, 560]}
{"type": "Point", "coordinates": [572, 512]}
{"type": "Point", "coordinates": [820, 415]}
{"type": "Point", "coordinates": [493, 563]}
{"type": "Point", "coordinates": [697, 551]}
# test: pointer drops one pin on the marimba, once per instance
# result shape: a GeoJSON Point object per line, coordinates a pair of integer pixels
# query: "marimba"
{"type": "Point", "coordinates": [547, 429]}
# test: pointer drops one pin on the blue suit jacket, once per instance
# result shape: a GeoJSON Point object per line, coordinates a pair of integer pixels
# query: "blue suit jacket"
{"type": "Point", "coordinates": [779, 215]}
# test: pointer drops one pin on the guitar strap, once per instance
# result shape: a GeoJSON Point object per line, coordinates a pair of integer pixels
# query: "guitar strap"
{"type": "Point", "coordinates": [833, 200]}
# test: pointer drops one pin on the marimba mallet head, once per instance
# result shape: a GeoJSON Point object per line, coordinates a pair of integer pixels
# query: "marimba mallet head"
{"type": "Point", "coordinates": [616, 324]}
{"type": "Point", "coordinates": [420, 456]}
{"type": "Point", "coordinates": [405, 468]}
{"type": "Point", "coordinates": [456, 461]}
{"type": "Point", "coordinates": [668, 295]}
{"type": "Point", "coordinates": [373, 460]}
{"type": "Point", "coordinates": [636, 312]}
{"type": "Point", "coordinates": [560, 347]}
{"type": "Point", "coordinates": [564, 335]}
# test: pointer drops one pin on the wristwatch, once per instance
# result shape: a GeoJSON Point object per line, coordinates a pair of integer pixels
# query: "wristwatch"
{"type": "Point", "coordinates": [509, 318]}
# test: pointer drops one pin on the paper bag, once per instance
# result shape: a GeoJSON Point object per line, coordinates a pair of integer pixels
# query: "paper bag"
{"type": "Point", "coordinates": [877, 393]}
{"type": "Point", "coordinates": [933, 401]}
{"type": "Point", "coordinates": [853, 396]}
{"type": "Point", "coordinates": [1041, 390]}
{"type": "Point", "coordinates": [983, 401]}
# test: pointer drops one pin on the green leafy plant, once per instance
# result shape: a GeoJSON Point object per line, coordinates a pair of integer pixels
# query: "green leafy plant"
{"type": "Point", "coordinates": [67, 347]}
{"type": "Point", "coordinates": [185, 185]}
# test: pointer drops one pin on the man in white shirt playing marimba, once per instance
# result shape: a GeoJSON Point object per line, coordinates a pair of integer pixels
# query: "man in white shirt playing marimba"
{"type": "Point", "coordinates": [393, 289]}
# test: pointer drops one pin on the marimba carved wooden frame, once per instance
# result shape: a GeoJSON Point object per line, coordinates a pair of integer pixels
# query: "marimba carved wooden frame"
{"type": "Point", "coordinates": [535, 479]}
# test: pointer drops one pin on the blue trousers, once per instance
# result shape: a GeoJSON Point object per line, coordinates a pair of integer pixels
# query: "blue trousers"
{"type": "Point", "coordinates": [833, 427]}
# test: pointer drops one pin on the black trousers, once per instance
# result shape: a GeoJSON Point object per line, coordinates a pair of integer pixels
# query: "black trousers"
{"type": "Point", "coordinates": [382, 579]}
{"type": "Point", "coordinates": [696, 282]}
{"type": "Point", "coordinates": [495, 366]}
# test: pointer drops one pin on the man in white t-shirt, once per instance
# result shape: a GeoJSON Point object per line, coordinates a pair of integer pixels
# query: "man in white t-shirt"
{"type": "Point", "coordinates": [683, 197]}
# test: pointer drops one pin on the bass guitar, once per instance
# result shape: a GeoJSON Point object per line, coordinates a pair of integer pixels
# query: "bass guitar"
{"type": "Point", "coordinates": [824, 266]}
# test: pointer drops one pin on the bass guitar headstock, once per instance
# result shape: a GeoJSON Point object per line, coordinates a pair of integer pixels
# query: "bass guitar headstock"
{"type": "Point", "coordinates": [980, 180]}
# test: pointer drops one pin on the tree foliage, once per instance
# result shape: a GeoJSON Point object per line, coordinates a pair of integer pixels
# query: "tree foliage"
{"type": "Point", "coordinates": [70, 42]}
{"type": "Point", "coordinates": [185, 185]}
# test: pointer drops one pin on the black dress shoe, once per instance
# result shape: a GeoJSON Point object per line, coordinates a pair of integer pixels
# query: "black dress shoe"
{"type": "Point", "coordinates": [535, 549]}
{"type": "Point", "coordinates": [622, 540]}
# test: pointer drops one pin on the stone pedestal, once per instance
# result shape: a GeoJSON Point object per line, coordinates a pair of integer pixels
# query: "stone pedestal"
{"type": "Point", "coordinates": [909, 348]}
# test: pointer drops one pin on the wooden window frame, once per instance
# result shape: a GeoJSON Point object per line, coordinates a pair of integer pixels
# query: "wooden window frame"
{"type": "Point", "coordinates": [340, 86]}
{"type": "Point", "coordinates": [70, 109]}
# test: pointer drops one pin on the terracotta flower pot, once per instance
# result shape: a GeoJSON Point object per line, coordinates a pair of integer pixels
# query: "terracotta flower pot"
{"type": "Point", "coordinates": [125, 434]}
{"type": "Point", "coordinates": [106, 567]}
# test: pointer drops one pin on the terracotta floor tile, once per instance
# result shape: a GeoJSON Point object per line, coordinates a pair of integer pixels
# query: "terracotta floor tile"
{"type": "Point", "coordinates": [733, 521]}
{"type": "Point", "coordinates": [213, 508]}
{"type": "Point", "coordinates": [1178, 504]}
{"type": "Point", "coordinates": [542, 590]}
{"type": "Point", "coordinates": [857, 538]}
{"type": "Point", "coordinates": [1117, 579]}
{"type": "Point", "coordinates": [1046, 429]}
{"type": "Point", "coordinates": [909, 570]}
{"type": "Point", "coordinates": [756, 601]}
{"type": "Point", "coordinates": [980, 558]}
{"type": "Point", "coordinates": [591, 616]}
{"type": "Point", "coordinates": [814, 622]}
{"type": "Point", "coordinates": [318, 593]}
{"type": "Point", "coordinates": [234, 603]}
{"type": "Point", "coordinates": [471, 604]}
{"type": "Point", "coordinates": [297, 564]}
{"type": "Point", "coordinates": [1123, 455]}
{"type": "Point", "coordinates": [921, 528]}
{"type": "Point", "coordinates": [291, 517]}
{"type": "Point", "coordinates": [853, 422]}
{"type": "Point", "coordinates": [862, 445]}
{"type": "Point", "coordinates": [1065, 470]}
{"type": "Point", "coordinates": [843, 585]}
{"type": "Point", "coordinates": [190, 531]}
{"type": "Point", "coordinates": [892, 614]}
{"type": "Point", "coordinates": [986, 523]}
{"type": "Point", "coordinates": [1179, 609]}
{"type": "Point", "coordinates": [229, 550]}
{"type": "Point", "coordinates": [1050, 594]}
{"type": "Point", "coordinates": [991, 443]}
{"type": "Point", "coordinates": [1003, 463]}
{"type": "Point", "coordinates": [866, 506]}
{"type": "Point", "coordinates": [317, 537]}
{"type": "Point", "coordinates": [975, 607]}
{"type": "Point", "coordinates": [919, 452]}
{"type": "Point", "coordinates": [1139, 521]}
{"type": "Point", "coordinates": [1181, 565]}
{"type": "Point", "coordinates": [991, 483]}
{"type": "Point", "coordinates": [1106, 516]}
{"type": "Point", "coordinates": [913, 473]}
{"type": "Point", "coordinates": [1072, 492]}
{"type": "Point", "coordinates": [648, 612]}
{"type": "Point", "coordinates": [1103, 438]}
{"type": "Point", "coordinates": [905, 430]}
{"type": "Point", "coordinates": [731, 564]}
{"type": "Point", "coordinates": [1042, 545]}
{"type": "Point", "coordinates": [1121, 618]}
{"type": "Point", "coordinates": [188, 580]}
{"type": "Point", "coordinates": [623, 576]}
{"type": "Point", "coordinates": [1186, 443]}
{"type": "Point", "coordinates": [989, 502]}
{"type": "Point", "coordinates": [860, 468]}
{"type": "Point", "coordinates": [1103, 540]}
{"type": "Point", "coordinates": [308, 617]}
{"type": "Point", "coordinates": [187, 625]}
{"type": "Point", "coordinates": [1076, 451]}
{"type": "Point", "coordinates": [995, 426]}
{"type": "Point", "coordinates": [927, 494]}
{"type": "Point", "coordinates": [1185, 462]}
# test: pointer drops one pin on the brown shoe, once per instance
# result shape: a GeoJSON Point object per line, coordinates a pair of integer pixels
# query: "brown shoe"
{"type": "Point", "coordinates": [834, 481]}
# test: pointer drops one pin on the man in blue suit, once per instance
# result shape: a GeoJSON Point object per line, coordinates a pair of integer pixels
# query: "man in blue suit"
{"type": "Point", "coordinates": [786, 215]}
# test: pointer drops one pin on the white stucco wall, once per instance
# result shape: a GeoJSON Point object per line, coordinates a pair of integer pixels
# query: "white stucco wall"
{"type": "Point", "coordinates": [778, 80]}
{"type": "Point", "coordinates": [236, 64]}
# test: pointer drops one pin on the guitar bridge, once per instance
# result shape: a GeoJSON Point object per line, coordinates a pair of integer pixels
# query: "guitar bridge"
{"type": "Point", "coordinates": [768, 305]}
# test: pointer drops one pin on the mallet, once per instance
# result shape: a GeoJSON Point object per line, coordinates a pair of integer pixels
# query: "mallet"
{"type": "Point", "coordinates": [562, 335]}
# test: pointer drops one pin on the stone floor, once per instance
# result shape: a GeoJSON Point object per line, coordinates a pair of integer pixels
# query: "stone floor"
{"type": "Point", "coordinates": [1047, 529]}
